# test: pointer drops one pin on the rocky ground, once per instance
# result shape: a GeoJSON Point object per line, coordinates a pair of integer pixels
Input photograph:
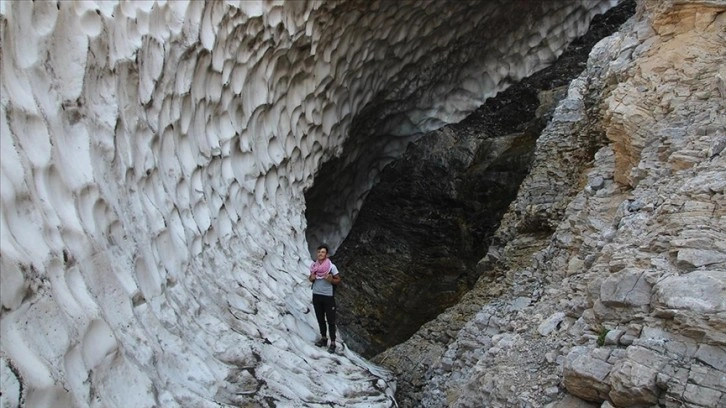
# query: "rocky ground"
{"type": "Point", "coordinates": [605, 282]}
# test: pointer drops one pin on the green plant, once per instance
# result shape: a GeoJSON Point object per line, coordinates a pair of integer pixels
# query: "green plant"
{"type": "Point", "coordinates": [601, 337]}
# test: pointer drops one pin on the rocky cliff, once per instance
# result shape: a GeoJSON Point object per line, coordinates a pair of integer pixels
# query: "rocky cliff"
{"type": "Point", "coordinates": [413, 250]}
{"type": "Point", "coordinates": [605, 284]}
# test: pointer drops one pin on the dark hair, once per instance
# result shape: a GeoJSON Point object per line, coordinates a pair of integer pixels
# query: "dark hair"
{"type": "Point", "coordinates": [324, 246]}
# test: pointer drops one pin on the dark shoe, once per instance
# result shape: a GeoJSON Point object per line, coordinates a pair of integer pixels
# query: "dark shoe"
{"type": "Point", "coordinates": [331, 348]}
{"type": "Point", "coordinates": [322, 342]}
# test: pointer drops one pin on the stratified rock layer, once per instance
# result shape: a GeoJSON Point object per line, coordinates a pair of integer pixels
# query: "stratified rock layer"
{"type": "Point", "coordinates": [413, 250]}
{"type": "Point", "coordinates": [606, 279]}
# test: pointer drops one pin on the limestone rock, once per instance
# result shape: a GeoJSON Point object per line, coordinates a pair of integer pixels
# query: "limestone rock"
{"type": "Point", "coordinates": [633, 379]}
{"type": "Point", "coordinates": [571, 402]}
{"type": "Point", "coordinates": [626, 288]}
{"type": "Point", "coordinates": [629, 244]}
{"type": "Point", "coordinates": [701, 291]}
{"type": "Point", "coordinates": [585, 375]}
{"type": "Point", "coordinates": [449, 189]}
{"type": "Point", "coordinates": [550, 324]}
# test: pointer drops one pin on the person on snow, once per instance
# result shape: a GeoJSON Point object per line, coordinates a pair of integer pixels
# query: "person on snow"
{"type": "Point", "coordinates": [324, 275]}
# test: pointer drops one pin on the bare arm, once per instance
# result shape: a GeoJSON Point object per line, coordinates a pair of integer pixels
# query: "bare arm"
{"type": "Point", "coordinates": [334, 279]}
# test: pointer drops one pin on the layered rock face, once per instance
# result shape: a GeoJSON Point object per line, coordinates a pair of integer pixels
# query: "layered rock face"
{"type": "Point", "coordinates": [607, 278]}
{"type": "Point", "coordinates": [413, 250]}
{"type": "Point", "coordinates": [155, 157]}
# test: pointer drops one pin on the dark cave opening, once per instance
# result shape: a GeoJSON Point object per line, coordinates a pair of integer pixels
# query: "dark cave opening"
{"type": "Point", "coordinates": [415, 242]}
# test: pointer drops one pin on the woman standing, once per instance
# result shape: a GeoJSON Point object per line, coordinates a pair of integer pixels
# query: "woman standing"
{"type": "Point", "coordinates": [323, 275]}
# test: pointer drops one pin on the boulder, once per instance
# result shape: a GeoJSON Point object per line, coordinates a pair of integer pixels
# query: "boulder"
{"type": "Point", "coordinates": [702, 291]}
{"type": "Point", "coordinates": [585, 376]}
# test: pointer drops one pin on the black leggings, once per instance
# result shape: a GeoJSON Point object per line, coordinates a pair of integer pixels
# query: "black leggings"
{"type": "Point", "coordinates": [325, 308]}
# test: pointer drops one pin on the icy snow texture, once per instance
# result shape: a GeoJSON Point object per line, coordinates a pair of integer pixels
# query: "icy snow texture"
{"type": "Point", "coordinates": [154, 158]}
